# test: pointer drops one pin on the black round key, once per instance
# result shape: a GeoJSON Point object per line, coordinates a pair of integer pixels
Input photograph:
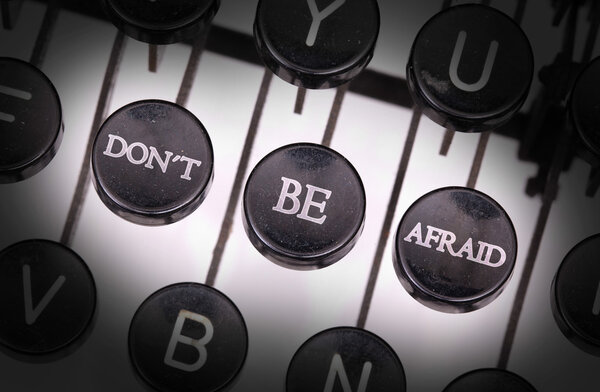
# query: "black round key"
{"type": "Point", "coordinates": [489, 380]}
{"type": "Point", "coordinates": [316, 44]}
{"type": "Point", "coordinates": [470, 68]}
{"type": "Point", "coordinates": [575, 295]}
{"type": "Point", "coordinates": [161, 21]}
{"type": "Point", "coordinates": [48, 300]}
{"type": "Point", "coordinates": [585, 106]}
{"type": "Point", "coordinates": [354, 358]}
{"type": "Point", "coordinates": [188, 337]}
{"type": "Point", "coordinates": [31, 126]}
{"type": "Point", "coordinates": [152, 162]}
{"type": "Point", "coordinates": [304, 206]}
{"type": "Point", "coordinates": [455, 249]}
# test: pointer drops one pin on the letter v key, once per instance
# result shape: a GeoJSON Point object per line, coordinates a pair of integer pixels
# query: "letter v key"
{"type": "Point", "coordinates": [31, 313]}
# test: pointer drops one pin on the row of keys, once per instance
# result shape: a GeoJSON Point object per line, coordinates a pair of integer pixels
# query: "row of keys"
{"type": "Point", "coordinates": [466, 92]}
{"type": "Point", "coordinates": [470, 66]}
{"type": "Point", "coordinates": [189, 336]}
{"type": "Point", "coordinates": [303, 206]}
{"type": "Point", "coordinates": [150, 174]}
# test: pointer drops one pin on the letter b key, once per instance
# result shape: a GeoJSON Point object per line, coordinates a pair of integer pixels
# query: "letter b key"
{"type": "Point", "coordinates": [188, 337]}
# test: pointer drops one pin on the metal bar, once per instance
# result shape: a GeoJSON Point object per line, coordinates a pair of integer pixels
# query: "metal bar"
{"type": "Point", "coordinates": [155, 55]}
{"type": "Point", "coordinates": [446, 142]}
{"type": "Point", "coordinates": [478, 159]}
{"type": "Point", "coordinates": [190, 71]}
{"type": "Point", "coordinates": [10, 12]}
{"type": "Point", "coordinates": [520, 11]}
{"type": "Point", "coordinates": [44, 35]}
{"type": "Point", "coordinates": [550, 190]}
{"type": "Point", "coordinates": [590, 41]}
{"type": "Point", "coordinates": [593, 182]}
{"type": "Point", "coordinates": [334, 114]}
{"type": "Point", "coordinates": [389, 217]}
{"type": "Point", "coordinates": [83, 181]}
{"type": "Point", "coordinates": [239, 177]}
{"type": "Point", "coordinates": [300, 96]}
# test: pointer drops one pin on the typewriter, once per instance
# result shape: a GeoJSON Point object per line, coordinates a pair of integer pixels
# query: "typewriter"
{"type": "Point", "coordinates": [359, 322]}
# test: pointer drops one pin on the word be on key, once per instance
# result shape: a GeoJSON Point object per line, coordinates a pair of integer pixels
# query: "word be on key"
{"type": "Point", "coordinates": [331, 213]}
{"type": "Point", "coordinates": [308, 201]}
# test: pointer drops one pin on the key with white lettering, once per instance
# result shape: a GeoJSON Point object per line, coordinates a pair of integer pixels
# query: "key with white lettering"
{"type": "Point", "coordinates": [31, 126]}
{"type": "Point", "coordinates": [576, 295]}
{"type": "Point", "coordinates": [304, 206]}
{"type": "Point", "coordinates": [470, 68]}
{"type": "Point", "coordinates": [316, 44]}
{"type": "Point", "coordinates": [188, 337]}
{"type": "Point", "coordinates": [490, 380]}
{"type": "Point", "coordinates": [152, 162]}
{"type": "Point", "coordinates": [455, 249]}
{"type": "Point", "coordinates": [48, 300]}
{"type": "Point", "coordinates": [351, 358]}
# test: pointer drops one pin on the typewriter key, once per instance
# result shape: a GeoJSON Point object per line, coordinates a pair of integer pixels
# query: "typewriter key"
{"type": "Point", "coordinates": [31, 126]}
{"type": "Point", "coordinates": [455, 250]}
{"type": "Point", "coordinates": [188, 337]}
{"type": "Point", "coordinates": [161, 21]}
{"type": "Point", "coordinates": [315, 44]}
{"type": "Point", "coordinates": [48, 300]}
{"type": "Point", "coordinates": [585, 106]}
{"type": "Point", "coordinates": [576, 295]}
{"type": "Point", "coordinates": [489, 380]}
{"type": "Point", "coordinates": [152, 162]}
{"type": "Point", "coordinates": [304, 206]}
{"type": "Point", "coordinates": [470, 68]}
{"type": "Point", "coordinates": [355, 359]}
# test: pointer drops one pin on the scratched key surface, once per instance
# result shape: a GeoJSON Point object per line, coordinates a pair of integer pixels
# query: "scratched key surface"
{"type": "Point", "coordinates": [283, 308]}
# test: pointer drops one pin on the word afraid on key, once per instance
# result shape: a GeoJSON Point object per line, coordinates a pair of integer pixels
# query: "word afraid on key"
{"type": "Point", "coordinates": [446, 239]}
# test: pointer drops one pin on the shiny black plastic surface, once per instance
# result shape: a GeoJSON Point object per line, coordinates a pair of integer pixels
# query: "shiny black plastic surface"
{"type": "Point", "coordinates": [161, 21]}
{"type": "Point", "coordinates": [316, 44]}
{"type": "Point", "coordinates": [48, 300]}
{"type": "Point", "coordinates": [585, 106]}
{"type": "Point", "coordinates": [455, 249]}
{"type": "Point", "coordinates": [316, 230]}
{"type": "Point", "coordinates": [345, 355]}
{"type": "Point", "coordinates": [152, 162]}
{"type": "Point", "coordinates": [208, 348]}
{"type": "Point", "coordinates": [470, 68]}
{"type": "Point", "coordinates": [30, 120]}
{"type": "Point", "coordinates": [575, 295]}
{"type": "Point", "coordinates": [490, 380]}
